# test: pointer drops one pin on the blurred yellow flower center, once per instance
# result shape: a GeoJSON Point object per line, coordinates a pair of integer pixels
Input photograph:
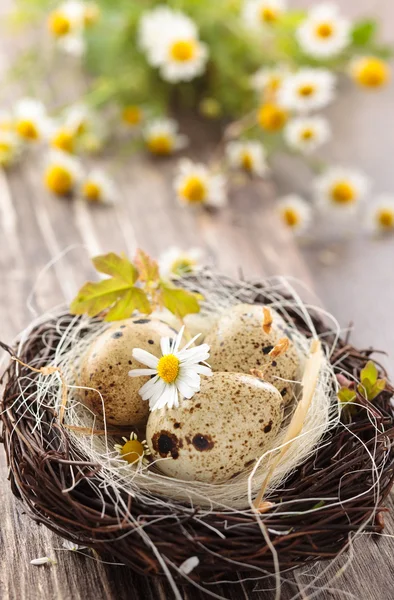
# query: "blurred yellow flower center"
{"type": "Point", "coordinates": [271, 117]}
{"type": "Point", "coordinates": [91, 191]}
{"type": "Point", "coordinates": [58, 180]}
{"type": "Point", "coordinates": [268, 14]}
{"type": "Point", "coordinates": [246, 161]}
{"type": "Point", "coordinates": [160, 144]}
{"type": "Point", "coordinates": [5, 148]}
{"type": "Point", "coordinates": [181, 266]}
{"type": "Point", "coordinates": [132, 115]}
{"type": "Point", "coordinates": [343, 192]}
{"type": "Point", "coordinates": [58, 24]}
{"type": "Point", "coordinates": [27, 129]}
{"type": "Point", "coordinates": [168, 368]}
{"type": "Point", "coordinates": [291, 217]}
{"type": "Point", "coordinates": [324, 30]}
{"type": "Point", "coordinates": [306, 90]}
{"type": "Point", "coordinates": [132, 451]}
{"type": "Point", "coordinates": [371, 72]}
{"type": "Point", "coordinates": [194, 190]}
{"type": "Point", "coordinates": [63, 140]}
{"type": "Point", "coordinates": [307, 134]}
{"type": "Point", "coordinates": [183, 50]}
{"type": "Point", "coordinates": [386, 218]}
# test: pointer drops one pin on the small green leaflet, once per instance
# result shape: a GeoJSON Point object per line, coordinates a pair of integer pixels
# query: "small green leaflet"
{"type": "Point", "coordinates": [370, 386]}
{"type": "Point", "coordinates": [346, 395]}
{"type": "Point", "coordinates": [119, 294]}
{"type": "Point", "coordinates": [179, 302]}
{"type": "Point", "coordinates": [364, 32]}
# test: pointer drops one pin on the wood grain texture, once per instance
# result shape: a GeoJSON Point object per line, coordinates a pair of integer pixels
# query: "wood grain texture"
{"type": "Point", "coordinates": [35, 228]}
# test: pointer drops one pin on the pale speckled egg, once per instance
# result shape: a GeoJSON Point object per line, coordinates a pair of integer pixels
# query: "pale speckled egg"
{"type": "Point", "coordinates": [239, 344]}
{"type": "Point", "coordinates": [219, 432]}
{"type": "Point", "coordinates": [107, 363]}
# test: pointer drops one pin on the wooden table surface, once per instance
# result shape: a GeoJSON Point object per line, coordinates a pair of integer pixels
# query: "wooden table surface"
{"type": "Point", "coordinates": [357, 286]}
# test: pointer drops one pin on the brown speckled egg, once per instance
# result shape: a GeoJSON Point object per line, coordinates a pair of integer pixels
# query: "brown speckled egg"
{"type": "Point", "coordinates": [219, 432]}
{"type": "Point", "coordinates": [106, 365]}
{"type": "Point", "coordinates": [239, 344]}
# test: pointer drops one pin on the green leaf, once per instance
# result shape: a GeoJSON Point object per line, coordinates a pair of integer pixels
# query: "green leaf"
{"type": "Point", "coordinates": [346, 395]}
{"type": "Point", "coordinates": [134, 299]}
{"type": "Point", "coordinates": [179, 302]}
{"type": "Point", "coordinates": [148, 268]}
{"type": "Point", "coordinates": [363, 32]}
{"type": "Point", "coordinates": [369, 372]}
{"type": "Point", "coordinates": [116, 266]}
{"type": "Point", "coordinates": [319, 504]}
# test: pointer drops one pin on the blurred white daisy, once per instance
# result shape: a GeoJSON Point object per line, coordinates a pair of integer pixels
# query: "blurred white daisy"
{"type": "Point", "coordinates": [98, 188]}
{"type": "Point", "coordinates": [31, 121]}
{"type": "Point", "coordinates": [257, 13]}
{"type": "Point", "coordinates": [268, 80]}
{"type": "Point", "coordinates": [62, 173]}
{"type": "Point", "coordinates": [175, 262]}
{"type": "Point", "coordinates": [170, 40]}
{"type": "Point", "coordinates": [307, 90]}
{"type": "Point", "coordinates": [196, 184]}
{"type": "Point", "coordinates": [161, 137]}
{"type": "Point", "coordinates": [9, 148]}
{"type": "Point", "coordinates": [62, 138]}
{"type": "Point", "coordinates": [306, 134]}
{"type": "Point", "coordinates": [79, 119]}
{"type": "Point", "coordinates": [380, 215]}
{"type": "Point", "coordinates": [177, 372]}
{"type": "Point", "coordinates": [66, 24]}
{"type": "Point", "coordinates": [341, 190]}
{"type": "Point", "coordinates": [295, 212]}
{"type": "Point", "coordinates": [132, 115]}
{"type": "Point", "coordinates": [247, 155]}
{"type": "Point", "coordinates": [324, 33]}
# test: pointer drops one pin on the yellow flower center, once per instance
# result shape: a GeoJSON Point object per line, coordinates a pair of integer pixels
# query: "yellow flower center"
{"type": "Point", "coordinates": [27, 130]}
{"type": "Point", "coordinates": [91, 191]}
{"type": "Point", "coordinates": [58, 24]}
{"type": "Point", "coordinates": [194, 190]}
{"type": "Point", "coordinates": [268, 14]}
{"type": "Point", "coordinates": [183, 50]}
{"type": "Point", "coordinates": [246, 161]}
{"type": "Point", "coordinates": [343, 192]}
{"type": "Point", "coordinates": [291, 217]}
{"type": "Point", "coordinates": [132, 115]}
{"type": "Point", "coordinates": [372, 72]}
{"type": "Point", "coordinates": [161, 144]}
{"type": "Point", "coordinates": [58, 180]}
{"type": "Point", "coordinates": [182, 266]}
{"type": "Point", "coordinates": [271, 117]}
{"type": "Point", "coordinates": [132, 451]}
{"type": "Point", "coordinates": [324, 30]}
{"type": "Point", "coordinates": [168, 368]}
{"type": "Point", "coordinates": [307, 134]}
{"type": "Point", "coordinates": [306, 90]}
{"type": "Point", "coordinates": [386, 218]}
{"type": "Point", "coordinates": [63, 140]}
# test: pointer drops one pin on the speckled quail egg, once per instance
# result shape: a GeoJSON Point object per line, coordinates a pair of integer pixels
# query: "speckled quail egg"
{"type": "Point", "coordinates": [238, 344]}
{"type": "Point", "coordinates": [219, 432]}
{"type": "Point", "coordinates": [106, 365]}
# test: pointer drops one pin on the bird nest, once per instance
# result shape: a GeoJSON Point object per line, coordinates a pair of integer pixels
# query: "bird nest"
{"type": "Point", "coordinates": [332, 485]}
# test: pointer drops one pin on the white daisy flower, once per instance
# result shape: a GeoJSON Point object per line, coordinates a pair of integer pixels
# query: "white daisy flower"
{"type": "Point", "coordinates": [161, 137]}
{"type": "Point", "coordinates": [380, 216]}
{"type": "Point", "coordinates": [247, 155]}
{"type": "Point", "coordinates": [62, 173]}
{"type": "Point", "coordinates": [79, 119]}
{"type": "Point", "coordinates": [268, 80]}
{"type": "Point", "coordinates": [324, 33]}
{"type": "Point", "coordinates": [341, 190]}
{"type": "Point", "coordinates": [257, 13]}
{"type": "Point", "coordinates": [132, 115]}
{"type": "Point", "coordinates": [176, 373]}
{"type": "Point", "coordinates": [295, 212]}
{"type": "Point", "coordinates": [307, 90]}
{"type": "Point", "coordinates": [196, 184]}
{"type": "Point", "coordinates": [306, 134]}
{"type": "Point", "coordinates": [132, 450]}
{"type": "Point", "coordinates": [175, 262]}
{"type": "Point", "coordinates": [9, 148]}
{"type": "Point", "coordinates": [170, 40]}
{"type": "Point", "coordinates": [31, 122]}
{"type": "Point", "coordinates": [98, 188]}
{"type": "Point", "coordinates": [66, 24]}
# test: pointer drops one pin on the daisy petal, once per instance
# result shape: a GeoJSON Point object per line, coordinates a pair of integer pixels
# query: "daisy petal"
{"type": "Point", "coordinates": [165, 345]}
{"type": "Point", "coordinates": [141, 372]}
{"type": "Point", "coordinates": [146, 358]}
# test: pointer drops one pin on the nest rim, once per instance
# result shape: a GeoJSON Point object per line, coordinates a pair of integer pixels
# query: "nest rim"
{"type": "Point", "coordinates": [42, 466]}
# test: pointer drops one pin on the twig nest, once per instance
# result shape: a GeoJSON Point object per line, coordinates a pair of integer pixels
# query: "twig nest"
{"type": "Point", "coordinates": [105, 368]}
{"type": "Point", "coordinates": [219, 432]}
{"type": "Point", "coordinates": [239, 343]}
